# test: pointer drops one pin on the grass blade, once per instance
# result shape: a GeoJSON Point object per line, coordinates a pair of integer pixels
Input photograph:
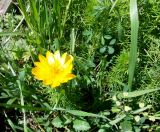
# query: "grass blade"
{"type": "Point", "coordinates": [10, 123]}
{"type": "Point", "coordinates": [65, 17]}
{"type": "Point", "coordinates": [73, 39]}
{"type": "Point", "coordinates": [11, 33]}
{"type": "Point", "coordinates": [34, 12]}
{"type": "Point", "coordinates": [134, 37]}
{"type": "Point", "coordinates": [113, 5]}
{"type": "Point", "coordinates": [22, 104]}
{"type": "Point", "coordinates": [23, 9]}
{"type": "Point", "coordinates": [136, 93]}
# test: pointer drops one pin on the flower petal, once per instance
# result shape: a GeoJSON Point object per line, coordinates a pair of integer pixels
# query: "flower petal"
{"type": "Point", "coordinates": [69, 59]}
{"type": "Point", "coordinates": [35, 71]}
{"type": "Point", "coordinates": [42, 58]}
{"type": "Point", "coordinates": [68, 77]}
{"type": "Point", "coordinates": [57, 55]}
{"type": "Point", "coordinates": [50, 57]}
{"type": "Point", "coordinates": [55, 84]}
{"type": "Point", "coordinates": [63, 58]}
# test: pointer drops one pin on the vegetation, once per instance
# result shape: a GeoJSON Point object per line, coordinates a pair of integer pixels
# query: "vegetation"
{"type": "Point", "coordinates": [116, 50]}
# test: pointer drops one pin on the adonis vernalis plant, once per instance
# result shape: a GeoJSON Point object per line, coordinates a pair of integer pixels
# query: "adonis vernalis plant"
{"type": "Point", "coordinates": [54, 69]}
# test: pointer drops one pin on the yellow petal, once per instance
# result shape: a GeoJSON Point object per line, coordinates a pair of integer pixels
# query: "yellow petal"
{"type": "Point", "coordinates": [55, 84]}
{"type": "Point", "coordinates": [42, 58]}
{"type": "Point", "coordinates": [69, 59]}
{"type": "Point", "coordinates": [63, 58]}
{"type": "Point", "coordinates": [38, 64]}
{"type": "Point", "coordinates": [68, 77]}
{"type": "Point", "coordinates": [47, 82]}
{"type": "Point", "coordinates": [57, 55]}
{"type": "Point", "coordinates": [50, 57]}
{"type": "Point", "coordinates": [68, 69]}
{"type": "Point", "coordinates": [34, 71]}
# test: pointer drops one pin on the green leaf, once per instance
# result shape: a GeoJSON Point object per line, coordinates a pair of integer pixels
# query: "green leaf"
{"type": "Point", "coordinates": [145, 126]}
{"type": "Point", "coordinates": [67, 121]}
{"type": "Point", "coordinates": [136, 129]}
{"type": "Point", "coordinates": [57, 122]}
{"type": "Point", "coordinates": [126, 126]}
{"type": "Point", "coordinates": [46, 124]}
{"type": "Point", "coordinates": [107, 37]}
{"type": "Point", "coordinates": [112, 42]}
{"type": "Point", "coordinates": [117, 119]}
{"type": "Point", "coordinates": [48, 129]}
{"type": "Point", "coordinates": [136, 93]}
{"type": "Point", "coordinates": [110, 50]}
{"type": "Point", "coordinates": [102, 50]}
{"type": "Point", "coordinates": [87, 33]}
{"type": "Point", "coordinates": [134, 37]}
{"type": "Point", "coordinates": [102, 40]}
{"type": "Point", "coordinates": [115, 110]}
{"type": "Point", "coordinates": [22, 75]}
{"type": "Point", "coordinates": [90, 63]}
{"type": "Point", "coordinates": [142, 109]}
{"type": "Point", "coordinates": [105, 126]}
{"type": "Point", "coordinates": [106, 113]}
{"type": "Point", "coordinates": [83, 113]}
{"type": "Point", "coordinates": [10, 101]}
{"type": "Point", "coordinates": [102, 130]}
{"type": "Point", "coordinates": [158, 129]}
{"type": "Point", "coordinates": [81, 125]}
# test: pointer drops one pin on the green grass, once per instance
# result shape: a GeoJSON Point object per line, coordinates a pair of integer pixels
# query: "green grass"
{"type": "Point", "coordinates": [116, 62]}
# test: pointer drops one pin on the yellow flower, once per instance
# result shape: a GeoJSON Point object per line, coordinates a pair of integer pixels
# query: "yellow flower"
{"type": "Point", "coordinates": [54, 69]}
